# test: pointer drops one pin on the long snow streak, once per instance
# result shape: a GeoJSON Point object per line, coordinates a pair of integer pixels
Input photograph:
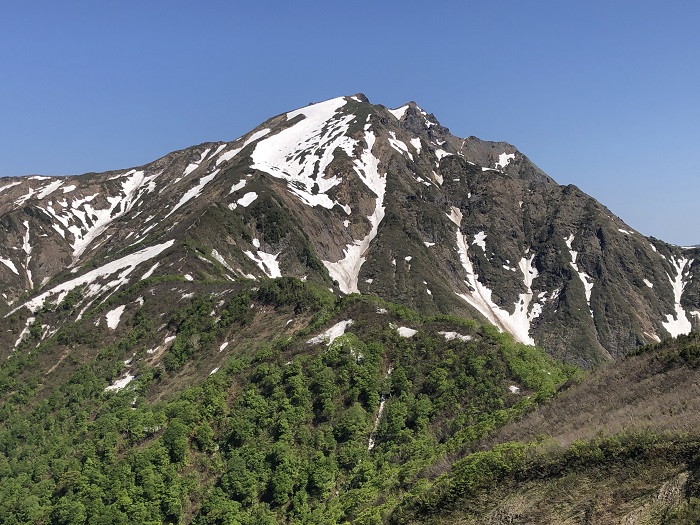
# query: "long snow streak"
{"type": "Point", "coordinates": [678, 324]}
{"type": "Point", "coordinates": [518, 323]}
{"type": "Point", "coordinates": [347, 270]}
{"type": "Point", "coordinates": [301, 154]}
{"type": "Point", "coordinates": [125, 266]}
{"type": "Point", "coordinates": [585, 278]}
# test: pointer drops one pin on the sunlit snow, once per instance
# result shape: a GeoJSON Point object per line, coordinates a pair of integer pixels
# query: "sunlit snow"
{"type": "Point", "coordinates": [331, 334]}
{"type": "Point", "coordinates": [399, 112]}
{"type": "Point", "coordinates": [405, 331]}
{"type": "Point", "coordinates": [399, 145]}
{"type": "Point", "coordinates": [238, 186]}
{"type": "Point", "coordinates": [193, 192]}
{"type": "Point", "coordinates": [49, 189]}
{"type": "Point", "coordinates": [306, 148]}
{"type": "Point", "coordinates": [480, 240]}
{"type": "Point", "coordinates": [518, 323]}
{"type": "Point", "coordinates": [454, 335]}
{"type": "Point", "coordinates": [583, 276]}
{"type": "Point", "coordinates": [347, 270]}
{"type": "Point", "coordinates": [678, 324]}
{"type": "Point", "coordinates": [9, 264]}
{"type": "Point", "coordinates": [504, 159]}
{"type": "Point", "coordinates": [247, 199]}
{"type": "Point", "coordinates": [120, 384]}
{"type": "Point", "coordinates": [113, 317]}
{"type": "Point", "coordinates": [124, 265]}
{"type": "Point", "coordinates": [267, 262]}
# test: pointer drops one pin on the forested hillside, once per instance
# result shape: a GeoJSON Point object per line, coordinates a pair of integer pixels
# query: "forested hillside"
{"type": "Point", "coordinates": [285, 430]}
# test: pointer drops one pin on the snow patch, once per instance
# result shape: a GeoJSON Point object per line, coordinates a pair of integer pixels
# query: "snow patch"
{"type": "Point", "coordinates": [399, 112]}
{"type": "Point", "coordinates": [114, 316]}
{"type": "Point", "coordinates": [455, 215]}
{"type": "Point", "coordinates": [583, 276]}
{"type": "Point", "coordinates": [331, 334]}
{"type": "Point", "coordinates": [449, 336]}
{"type": "Point", "coordinates": [9, 264]}
{"type": "Point", "coordinates": [504, 159]}
{"type": "Point", "coordinates": [120, 384]}
{"type": "Point", "coordinates": [238, 186]}
{"type": "Point", "coordinates": [518, 323]}
{"type": "Point", "coordinates": [193, 193]}
{"type": "Point", "coordinates": [399, 145]}
{"type": "Point", "coordinates": [678, 324]}
{"type": "Point", "coordinates": [415, 142]}
{"type": "Point", "coordinates": [49, 189]}
{"type": "Point", "coordinates": [301, 153]}
{"type": "Point", "coordinates": [267, 262]}
{"type": "Point", "coordinates": [405, 331]}
{"type": "Point", "coordinates": [247, 199]}
{"type": "Point", "coordinates": [479, 240]}
{"type": "Point", "coordinates": [347, 270]}
{"type": "Point", "coordinates": [648, 283]}
{"type": "Point", "coordinates": [124, 265]}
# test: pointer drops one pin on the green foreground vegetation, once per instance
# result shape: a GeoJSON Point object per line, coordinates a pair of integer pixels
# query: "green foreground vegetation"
{"type": "Point", "coordinates": [287, 431]}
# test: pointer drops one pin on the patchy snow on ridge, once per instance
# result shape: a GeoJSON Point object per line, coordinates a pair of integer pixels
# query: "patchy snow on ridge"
{"type": "Point", "coordinates": [49, 189]}
{"type": "Point", "coordinates": [86, 223]}
{"type": "Point", "coordinates": [399, 112]}
{"type": "Point", "coordinates": [678, 324]}
{"type": "Point", "coordinates": [238, 186]}
{"type": "Point", "coordinates": [247, 199]}
{"type": "Point", "coordinates": [331, 334]}
{"type": "Point", "coordinates": [504, 159]}
{"type": "Point", "coordinates": [399, 145]}
{"type": "Point", "coordinates": [301, 153]}
{"type": "Point", "coordinates": [193, 193]}
{"type": "Point", "coordinates": [8, 186]}
{"type": "Point", "coordinates": [114, 316]}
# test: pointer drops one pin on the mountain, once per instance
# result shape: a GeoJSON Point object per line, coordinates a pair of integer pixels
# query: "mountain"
{"type": "Point", "coordinates": [359, 198]}
{"type": "Point", "coordinates": [181, 342]}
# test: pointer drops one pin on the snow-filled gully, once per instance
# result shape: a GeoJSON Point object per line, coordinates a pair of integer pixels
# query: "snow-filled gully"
{"type": "Point", "coordinates": [301, 154]}
{"type": "Point", "coordinates": [517, 323]}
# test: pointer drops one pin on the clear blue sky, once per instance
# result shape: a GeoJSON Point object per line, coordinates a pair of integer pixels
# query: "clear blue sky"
{"type": "Point", "coordinates": [601, 94]}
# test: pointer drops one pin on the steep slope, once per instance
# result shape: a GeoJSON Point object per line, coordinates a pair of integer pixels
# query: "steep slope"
{"type": "Point", "coordinates": [621, 446]}
{"type": "Point", "coordinates": [358, 198]}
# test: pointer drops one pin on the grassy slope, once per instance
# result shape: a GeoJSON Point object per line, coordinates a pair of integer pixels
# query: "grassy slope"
{"type": "Point", "coordinates": [620, 447]}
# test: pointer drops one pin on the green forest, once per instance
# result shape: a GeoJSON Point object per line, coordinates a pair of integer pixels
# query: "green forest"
{"type": "Point", "coordinates": [373, 427]}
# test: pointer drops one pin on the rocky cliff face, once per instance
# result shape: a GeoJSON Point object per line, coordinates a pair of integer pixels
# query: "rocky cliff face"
{"type": "Point", "coordinates": [359, 198]}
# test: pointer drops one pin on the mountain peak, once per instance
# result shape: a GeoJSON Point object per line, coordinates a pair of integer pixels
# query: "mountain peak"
{"type": "Point", "coordinates": [357, 198]}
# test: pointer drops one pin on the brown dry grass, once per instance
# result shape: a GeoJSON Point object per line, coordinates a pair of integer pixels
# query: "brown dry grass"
{"type": "Point", "coordinates": [654, 390]}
